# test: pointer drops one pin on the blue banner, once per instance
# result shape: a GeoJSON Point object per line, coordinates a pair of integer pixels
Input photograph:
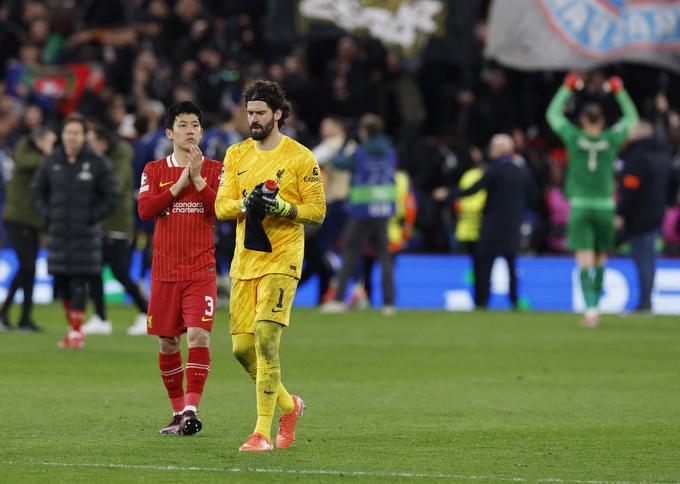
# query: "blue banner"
{"type": "Point", "coordinates": [445, 282]}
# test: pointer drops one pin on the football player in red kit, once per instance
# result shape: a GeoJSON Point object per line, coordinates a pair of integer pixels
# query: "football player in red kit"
{"type": "Point", "coordinates": [178, 192]}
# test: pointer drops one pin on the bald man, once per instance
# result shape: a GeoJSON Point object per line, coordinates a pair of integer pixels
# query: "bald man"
{"type": "Point", "coordinates": [510, 192]}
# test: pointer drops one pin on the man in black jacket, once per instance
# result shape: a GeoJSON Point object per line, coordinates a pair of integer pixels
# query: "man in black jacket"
{"type": "Point", "coordinates": [510, 191]}
{"type": "Point", "coordinates": [74, 189]}
{"type": "Point", "coordinates": [642, 204]}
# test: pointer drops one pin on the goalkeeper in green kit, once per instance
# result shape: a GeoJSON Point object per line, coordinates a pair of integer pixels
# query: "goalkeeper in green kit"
{"type": "Point", "coordinates": [591, 151]}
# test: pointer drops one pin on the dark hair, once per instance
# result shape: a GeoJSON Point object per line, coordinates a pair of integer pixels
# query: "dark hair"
{"type": "Point", "coordinates": [271, 93]}
{"type": "Point", "coordinates": [593, 112]}
{"type": "Point", "coordinates": [38, 133]}
{"type": "Point", "coordinates": [182, 107]}
{"type": "Point", "coordinates": [226, 115]}
{"type": "Point", "coordinates": [372, 124]}
{"type": "Point", "coordinates": [104, 134]}
{"type": "Point", "coordinates": [76, 118]}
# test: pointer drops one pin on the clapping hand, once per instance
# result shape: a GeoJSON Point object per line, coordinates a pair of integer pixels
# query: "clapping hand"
{"type": "Point", "coordinates": [195, 162]}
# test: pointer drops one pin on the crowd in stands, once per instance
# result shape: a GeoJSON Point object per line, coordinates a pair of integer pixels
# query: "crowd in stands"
{"type": "Point", "coordinates": [121, 63]}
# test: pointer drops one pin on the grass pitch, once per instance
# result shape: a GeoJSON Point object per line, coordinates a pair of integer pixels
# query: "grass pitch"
{"type": "Point", "coordinates": [422, 396]}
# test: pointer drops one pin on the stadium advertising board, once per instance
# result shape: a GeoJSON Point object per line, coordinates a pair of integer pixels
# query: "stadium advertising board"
{"type": "Point", "coordinates": [545, 284]}
{"type": "Point", "coordinates": [444, 282]}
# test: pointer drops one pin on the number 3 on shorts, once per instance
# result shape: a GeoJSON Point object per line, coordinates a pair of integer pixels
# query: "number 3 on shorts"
{"type": "Point", "coordinates": [211, 306]}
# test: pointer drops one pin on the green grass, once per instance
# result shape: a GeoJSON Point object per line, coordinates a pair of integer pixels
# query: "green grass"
{"type": "Point", "coordinates": [423, 396]}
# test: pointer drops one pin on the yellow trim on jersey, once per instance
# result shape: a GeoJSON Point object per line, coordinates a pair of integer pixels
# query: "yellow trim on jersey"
{"type": "Point", "coordinates": [297, 172]}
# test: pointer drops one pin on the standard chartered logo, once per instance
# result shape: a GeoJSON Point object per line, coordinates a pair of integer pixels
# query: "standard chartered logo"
{"type": "Point", "coordinates": [188, 207]}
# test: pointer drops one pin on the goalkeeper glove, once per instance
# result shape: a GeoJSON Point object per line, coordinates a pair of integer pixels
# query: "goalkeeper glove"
{"type": "Point", "coordinates": [275, 205]}
{"type": "Point", "coordinates": [254, 202]}
{"type": "Point", "coordinates": [614, 84]}
{"type": "Point", "coordinates": [573, 81]}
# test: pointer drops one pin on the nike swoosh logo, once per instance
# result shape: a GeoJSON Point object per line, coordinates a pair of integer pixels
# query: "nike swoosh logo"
{"type": "Point", "coordinates": [165, 184]}
{"type": "Point", "coordinates": [204, 319]}
{"type": "Point", "coordinates": [241, 172]}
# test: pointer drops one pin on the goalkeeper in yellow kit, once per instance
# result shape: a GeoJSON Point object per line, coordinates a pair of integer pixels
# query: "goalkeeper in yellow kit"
{"type": "Point", "coordinates": [269, 246]}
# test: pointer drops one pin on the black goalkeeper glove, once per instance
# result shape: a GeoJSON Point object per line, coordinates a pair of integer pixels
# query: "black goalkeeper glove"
{"type": "Point", "coordinates": [255, 201]}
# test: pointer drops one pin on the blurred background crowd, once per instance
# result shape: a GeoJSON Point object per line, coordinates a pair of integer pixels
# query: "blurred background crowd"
{"type": "Point", "coordinates": [121, 63]}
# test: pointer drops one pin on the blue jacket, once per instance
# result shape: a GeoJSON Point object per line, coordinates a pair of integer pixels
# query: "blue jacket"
{"type": "Point", "coordinates": [372, 191]}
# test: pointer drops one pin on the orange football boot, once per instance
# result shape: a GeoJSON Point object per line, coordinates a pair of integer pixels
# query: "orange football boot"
{"type": "Point", "coordinates": [256, 443]}
{"type": "Point", "coordinates": [287, 422]}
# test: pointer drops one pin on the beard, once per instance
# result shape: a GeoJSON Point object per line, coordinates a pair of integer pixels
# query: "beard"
{"type": "Point", "coordinates": [264, 130]}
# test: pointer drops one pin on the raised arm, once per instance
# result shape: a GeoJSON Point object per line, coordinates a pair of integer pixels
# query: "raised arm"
{"type": "Point", "coordinates": [630, 116]}
{"type": "Point", "coordinates": [557, 121]}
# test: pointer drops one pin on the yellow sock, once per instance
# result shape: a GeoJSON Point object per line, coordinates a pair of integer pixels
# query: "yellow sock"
{"type": "Point", "coordinates": [284, 400]}
{"type": "Point", "coordinates": [267, 339]}
{"type": "Point", "coordinates": [243, 347]}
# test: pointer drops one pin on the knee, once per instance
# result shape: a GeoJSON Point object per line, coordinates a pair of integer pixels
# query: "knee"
{"type": "Point", "coordinates": [198, 337]}
{"type": "Point", "coordinates": [243, 350]}
{"type": "Point", "coordinates": [168, 346]}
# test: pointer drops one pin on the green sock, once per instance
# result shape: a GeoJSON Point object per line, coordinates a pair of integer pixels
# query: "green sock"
{"type": "Point", "coordinates": [587, 287]}
{"type": "Point", "coordinates": [598, 281]}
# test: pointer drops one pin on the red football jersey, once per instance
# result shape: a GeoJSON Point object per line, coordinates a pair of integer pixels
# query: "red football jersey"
{"type": "Point", "coordinates": [183, 239]}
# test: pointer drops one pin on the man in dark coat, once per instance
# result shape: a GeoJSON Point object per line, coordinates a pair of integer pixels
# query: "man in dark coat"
{"type": "Point", "coordinates": [74, 189]}
{"type": "Point", "coordinates": [642, 204]}
{"type": "Point", "coordinates": [509, 192]}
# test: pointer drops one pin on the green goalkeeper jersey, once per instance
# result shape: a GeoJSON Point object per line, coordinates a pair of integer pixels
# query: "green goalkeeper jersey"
{"type": "Point", "coordinates": [590, 173]}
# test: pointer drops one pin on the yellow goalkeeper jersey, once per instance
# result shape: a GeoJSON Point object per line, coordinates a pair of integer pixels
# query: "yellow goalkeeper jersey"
{"type": "Point", "coordinates": [297, 172]}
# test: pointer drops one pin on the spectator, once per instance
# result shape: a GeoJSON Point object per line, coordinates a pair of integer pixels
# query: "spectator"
{"type": "Point", "coordinates": [334, 142]}
{"type": "Point", "coordinates": [558, 210]}
{"type": "Point", "coordinates": [371, 204]}
{"type": "Point", "coordinates": [74, 189]}
{"type": "Point", "coordinates": [221, 136]}
{"type": "Point", "coordinates": [23, 222]}
{"type": "Point", "coordinates": [642, 203]}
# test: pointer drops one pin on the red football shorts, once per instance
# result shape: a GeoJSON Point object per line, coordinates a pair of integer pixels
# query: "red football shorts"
{"type": "Point", "coordinates": [176, 306]}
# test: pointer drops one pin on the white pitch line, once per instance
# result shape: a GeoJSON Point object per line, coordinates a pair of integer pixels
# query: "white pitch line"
{"type": "Point", "coordinates": [322, 472]}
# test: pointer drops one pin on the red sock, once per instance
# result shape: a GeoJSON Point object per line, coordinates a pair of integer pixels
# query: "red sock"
{"type": "Point", "coordinates": [198, 366]}
{"type": "Point", "coordinates": [76, 318]}
{"type": "Point", "coordinates": [173, 378]}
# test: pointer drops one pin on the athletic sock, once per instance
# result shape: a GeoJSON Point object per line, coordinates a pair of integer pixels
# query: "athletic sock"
{"type": "Point", "coordinates": [244, 347]}
{"type": "Point", "coordinates": [598, 281]}
{"type": "Point", "coordinates": [284, 400]}
{"type": "Point", "coordinates": [76, 318]}
{"type": "Point", "coordinates": [267, 387]}
{"type": "Point", "coordinates": [172, 373]}
{"type": "Point", "coordinates": [197, 369]}
{"type": "Point", "coordinates": [587, 288]}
